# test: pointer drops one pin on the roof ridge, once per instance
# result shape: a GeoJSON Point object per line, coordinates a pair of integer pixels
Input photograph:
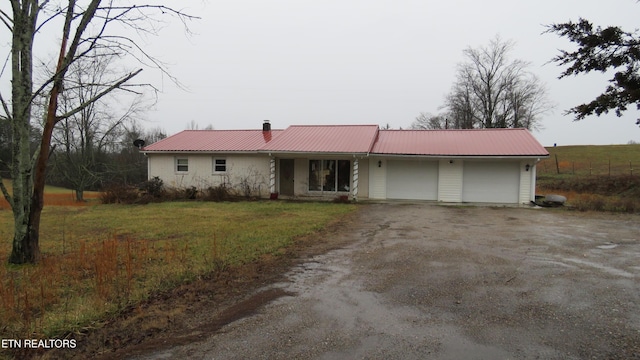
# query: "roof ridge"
{"type": "Point", "coordinates": [478, 129]}
{"type": "Point", "coordinates": [338, 125]}
{"type": "Point", "coordinates": [203, 130]}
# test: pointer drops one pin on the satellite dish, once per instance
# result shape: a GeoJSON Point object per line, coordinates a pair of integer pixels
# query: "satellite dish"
{"type": "Point", "coordinates": [139, 143]}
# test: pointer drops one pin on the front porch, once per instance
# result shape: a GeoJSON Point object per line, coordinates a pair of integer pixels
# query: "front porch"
{"type": "Point", "coordinates": [316, 178]}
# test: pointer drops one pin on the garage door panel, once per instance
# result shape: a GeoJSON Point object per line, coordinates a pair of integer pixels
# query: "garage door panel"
{"type": "Point", "coordinates": [497, 182]}
{"type": "Point", "coordinates": [412, 180]}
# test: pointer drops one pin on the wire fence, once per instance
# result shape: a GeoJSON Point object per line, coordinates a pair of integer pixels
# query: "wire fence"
{"type": "Point", "coordinates": [555, 165]}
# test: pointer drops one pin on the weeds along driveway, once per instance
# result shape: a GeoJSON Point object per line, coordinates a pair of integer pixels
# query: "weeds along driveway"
{"type": "Point", "coordinates": [422, 281]}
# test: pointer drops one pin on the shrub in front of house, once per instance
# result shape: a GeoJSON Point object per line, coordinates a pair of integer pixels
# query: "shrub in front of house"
{"type": "Point", "coordinates": [217, 193]}
{"type": "Point", "coordinates": [118, 193]}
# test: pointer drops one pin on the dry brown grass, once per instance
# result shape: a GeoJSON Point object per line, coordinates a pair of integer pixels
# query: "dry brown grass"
{"type": "Point", "coordinates": [57, 197]}
{"type": "Point", "coordinates": [98, 260]}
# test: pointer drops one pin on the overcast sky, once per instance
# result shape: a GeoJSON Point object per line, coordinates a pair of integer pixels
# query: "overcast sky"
{"type": "Point", "coordinates": [367, 62]}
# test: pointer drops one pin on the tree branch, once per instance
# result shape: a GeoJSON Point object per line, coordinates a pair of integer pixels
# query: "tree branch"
{"type": "Point", "coordinates": [6, 20]}
{"type": "Point", "coordinates": [6, 194]}
{"type": "Point", "coordinates": [98, 96]}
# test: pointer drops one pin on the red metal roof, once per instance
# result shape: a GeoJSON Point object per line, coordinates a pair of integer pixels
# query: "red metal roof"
{"type": "Point", "coordinates": [325, 138]}
{"type": "Point", "coordinates": [214, 140]}
{"type": "Point", "coordinates": [356, 139]}
{"type": "Point", "coordinates": [472, 142]}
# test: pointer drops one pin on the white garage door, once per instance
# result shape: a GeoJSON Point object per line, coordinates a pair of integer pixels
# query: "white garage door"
{"type": "Point", "coordinates": [412, 179]}
{"type": "Point", "coordinates": [496, 182]}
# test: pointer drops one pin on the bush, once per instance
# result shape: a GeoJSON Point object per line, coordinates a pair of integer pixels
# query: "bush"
{"type": "Point", "coordinates": [588, 202]}
{"type": "Point", "coordinates": [153, 187]}
{"type": "Point", "coordinates": [624, 205]}
{"type": "Point", "coordinates": [190, 193]}
{"type": "Point", "coordinates": [594, 202]}
{"type": "Point", "coordinates": [217, 193]}
{"type": "Point", "coordinates": [118, 193]}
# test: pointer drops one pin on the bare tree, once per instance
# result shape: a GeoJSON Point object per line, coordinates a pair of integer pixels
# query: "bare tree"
{"type": "Point", "coordinates": [85, 28]}
{"type": "Point", "coordinates": [460, 105]}
{"type": "Point", "coordinates": [427, 121]}
{"type": "Point", "coordinates": [493, 91]}
{"type": "Point", "coordinates": [85, 140]}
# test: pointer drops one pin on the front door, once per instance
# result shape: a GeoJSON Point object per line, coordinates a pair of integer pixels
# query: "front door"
{"type": "Point", "coordinates": [286, 177]}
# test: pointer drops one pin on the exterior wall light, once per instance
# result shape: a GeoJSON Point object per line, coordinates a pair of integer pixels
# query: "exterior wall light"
{"type": "Point", "coordinates": [527, 167]}
{"type": "Point", "coordinates": [379, 163]}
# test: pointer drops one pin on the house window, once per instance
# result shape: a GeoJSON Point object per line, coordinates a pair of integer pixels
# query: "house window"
{"type": "Point", "coordinates": [182, 164]}
{"type": "Point", "coordinates": [329, 175]}
{"type": "Point", "coordinates": [219, 165]}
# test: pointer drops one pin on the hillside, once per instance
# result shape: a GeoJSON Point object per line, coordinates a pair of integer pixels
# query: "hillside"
{"type": "Point", "coordinates": [594, 176]}
{"type": "Point", "coordinates": [592, 160]}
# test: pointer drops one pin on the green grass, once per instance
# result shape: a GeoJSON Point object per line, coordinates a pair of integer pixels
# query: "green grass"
{"type": "Point", "coordinates": [591, 160]}
{"type": "Point", "coordinates": [593, 177]}
{"type": "Point", "coordinates": [100, 259]}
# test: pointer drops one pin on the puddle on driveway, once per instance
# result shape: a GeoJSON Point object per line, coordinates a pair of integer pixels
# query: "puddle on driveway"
{"type": "Point", "coordinates": [607, 247]}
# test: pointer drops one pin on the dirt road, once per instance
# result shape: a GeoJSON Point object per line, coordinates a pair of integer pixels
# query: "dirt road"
{"type": "Point", "coordinates": [419, 281]}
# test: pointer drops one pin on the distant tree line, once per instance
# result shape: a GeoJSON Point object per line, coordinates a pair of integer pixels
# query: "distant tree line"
{"type": "Point", "coordinates": [89, 158]}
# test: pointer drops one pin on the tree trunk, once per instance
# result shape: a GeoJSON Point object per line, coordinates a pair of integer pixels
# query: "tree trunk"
{"type": "Point", "coordinates": [29, 178]}
{"type": "Point", "coordinates": [25, 249]}
{"type": "Point", "coordinates": [80, 195]}
{"type": "Point", "coordinates": [25, 244]}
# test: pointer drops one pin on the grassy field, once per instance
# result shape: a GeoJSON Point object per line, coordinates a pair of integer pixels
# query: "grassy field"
{"type": "Point", "coordinates": [99, 259]}
{"type": "Point", "coordinates": [592, 160]}
{"type": "Point", "coordinates": [56, 196]}
{"type": "Point", "coordinates": [598, 178]}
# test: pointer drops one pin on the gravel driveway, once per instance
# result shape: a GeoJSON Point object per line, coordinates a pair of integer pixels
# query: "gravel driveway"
{"type": "Point", "coordinates": [421, 281]}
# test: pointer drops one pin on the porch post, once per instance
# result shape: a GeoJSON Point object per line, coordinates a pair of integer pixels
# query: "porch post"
{"type": "Point", "coordinates": [354, 195]}
{"type": "Point", "coordinates": [272, 176]}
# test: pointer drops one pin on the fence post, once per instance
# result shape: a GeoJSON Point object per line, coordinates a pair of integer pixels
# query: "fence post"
{"type": "Point", "coordinates": [630, 168]}
{"type": "Point", "coordinates": [557, 166]}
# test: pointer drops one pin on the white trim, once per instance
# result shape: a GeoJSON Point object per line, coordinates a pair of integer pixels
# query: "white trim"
{"type": "Point", "coordinates": [213, 164]}
{"type": "Point", "coordinates": [175, 166]}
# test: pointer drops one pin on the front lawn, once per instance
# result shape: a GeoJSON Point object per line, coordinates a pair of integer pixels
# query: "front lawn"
{"type": "Point", "coordinates": [97, 260]}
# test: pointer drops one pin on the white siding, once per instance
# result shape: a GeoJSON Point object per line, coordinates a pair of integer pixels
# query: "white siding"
{"type": "Point", "coordinates": [527, 182]}
{"type": "Point", "coordinates": [412, 179]}
{"type": "Point", "coordinates": [377, 178]}
{"type": "Point", "coordinates": [249, 169]}
{"type": "Point", "coordinates": [450, 180]}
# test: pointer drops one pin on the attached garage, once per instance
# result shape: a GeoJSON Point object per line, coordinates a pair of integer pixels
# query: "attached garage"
{"type": "Point", "coordinates": [494, 182]}
{"type": "Point", "coordinates": [412, 179]}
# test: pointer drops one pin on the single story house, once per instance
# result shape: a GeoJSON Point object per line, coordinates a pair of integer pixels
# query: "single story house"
{"type": "Point", "coordinates": [360, 161]}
